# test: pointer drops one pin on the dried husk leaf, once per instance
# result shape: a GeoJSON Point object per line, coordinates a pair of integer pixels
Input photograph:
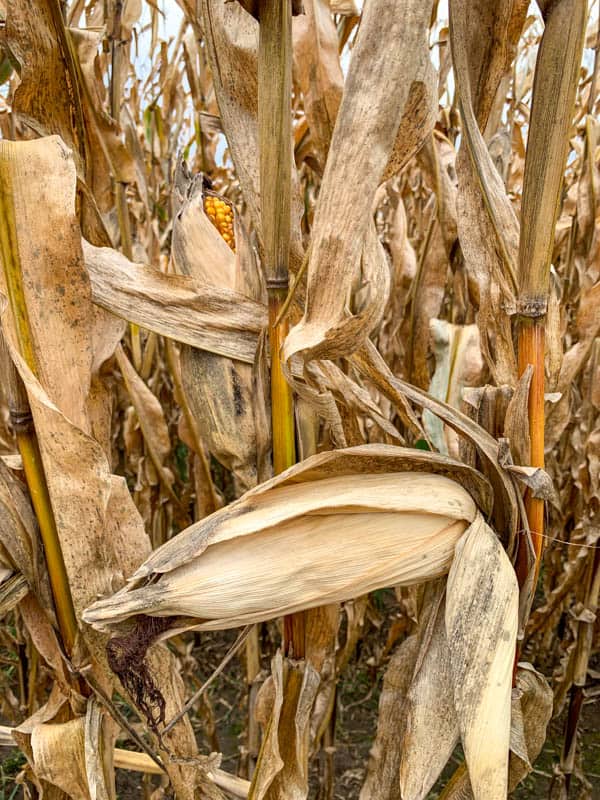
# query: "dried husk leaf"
{"type": "Point", "coordinates": [13, 589]}
{"type": "Point", "coordinates": [516, 423]}
{"type": "Point", "coordinates": [554, 88]}
{"type": "Point", "coordinates": [346, 7]}
{"type": "Point", "coordinates": [437, 255]}
{"type": "Point", "coordinates": [70, 754]}
{"type": "Point", "coordinates": [488, 228]}
{"type": "Point", "coordinates": [210, 318]}
{"type": "Point", "coordinates": [284, 754]}
{"type": "Point", "coordinates": [151, 418]}
{"type": "Point", "coordinates": [45, 639]}
{"type": "Point", "coordinates": [383, 771]}
{"type": "Point", "coordinates": [352, 395]}
{"type": "Point", "coordinates": [318, 72]}
{"type": "Point", "coordinates": [485, 265]}
{"type": "Point", "coordinates": [427, 297]}
{"type": "Point", "coordinates": [20, 547]}
{"type": "Point", "coordinates": [65, 370]}
{"type": "Point", "coordinates": [47, 98]}
{"type": "Point", "coordinates": [531, 713]}
{"type": "Point", "coordinates": [55, 709]}
{"type": "Point", "coordinates": [111, 158]}
{"type": "Point", "coordinates": [322, 625]}
{"type": "Point", "coordinates": [220, 392]}
{"type": "Point", "coordinates": [437, 158]}
{"type": "Point", "coordinates": [418, 118]}
{"type": "Point", "coordinates": [535, 478]}
{"type": "Point", "coordinates": [535, 699]}
{"type": "Point", "coordinates": [508, 512]}
{"type": "Point", "coordinates": [404, 260]}
{"type": "Point", "coordinates": [98, 751]}
{"type": "Point", "coordinates": [458, 364]}
{"type": "Point", "coordinates": [58, 756]}
{"type": "Point", "coordinates": [588, 327]}
{"type": "Point", "coordinates": [480, 63]}
{"type": "Point", "coordinates": [481, 627]}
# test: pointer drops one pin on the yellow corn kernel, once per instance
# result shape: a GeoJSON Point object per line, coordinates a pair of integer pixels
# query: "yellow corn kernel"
{"type": "Point", "coordinates": [220, 214]}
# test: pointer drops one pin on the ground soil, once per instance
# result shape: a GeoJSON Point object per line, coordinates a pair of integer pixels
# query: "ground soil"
{"type": "Point", "coordinates": [219, 723]}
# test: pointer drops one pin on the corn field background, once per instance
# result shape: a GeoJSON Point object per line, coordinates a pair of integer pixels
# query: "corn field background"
{"type": "Point", "coordinates": [299, 399]}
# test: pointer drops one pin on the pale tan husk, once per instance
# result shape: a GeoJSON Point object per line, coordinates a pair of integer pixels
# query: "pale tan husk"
{"type": "Point", "coordinates": [306, 538]}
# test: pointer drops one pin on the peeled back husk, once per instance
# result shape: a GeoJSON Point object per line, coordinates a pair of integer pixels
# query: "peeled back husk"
{"type": "Point", "coordinates": [334, 527]}
{"type": "Point", "coordinates": [209, 245]}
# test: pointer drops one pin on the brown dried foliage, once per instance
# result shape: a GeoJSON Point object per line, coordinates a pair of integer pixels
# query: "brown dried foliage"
{"type": "Point", "coordinates": [438, 202]}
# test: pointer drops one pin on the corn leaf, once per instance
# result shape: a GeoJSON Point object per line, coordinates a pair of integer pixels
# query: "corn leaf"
{"type": "Point", "coordinates": [375, 95]}
{"type": "Point", "coordinates": [481, 628]}
{"type": "Point", "coordinates": [213, 319]}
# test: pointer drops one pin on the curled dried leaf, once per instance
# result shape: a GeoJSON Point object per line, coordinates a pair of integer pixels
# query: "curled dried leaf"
{"type": "Point", "coordinates": [379, 77]}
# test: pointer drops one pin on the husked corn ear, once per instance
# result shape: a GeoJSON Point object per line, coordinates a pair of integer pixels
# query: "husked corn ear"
{"type": "Point", "coordinates": [296, 546]}
{"type": "Point", "coordinates": [220, 214]}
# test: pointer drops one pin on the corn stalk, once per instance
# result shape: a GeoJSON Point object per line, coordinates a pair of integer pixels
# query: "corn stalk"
{"type": "Point", "coordinates": [116, 80]}
{"type": "Point", "coordinates": [554, 88]}
{"type": "Point", "coordinates": [274, 122]}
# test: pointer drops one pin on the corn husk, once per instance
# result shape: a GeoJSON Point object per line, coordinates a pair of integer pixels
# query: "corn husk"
{"type": "Point", "coordinates": [220, 391]}
{"type": "Point", "coordinates": [337, 526]}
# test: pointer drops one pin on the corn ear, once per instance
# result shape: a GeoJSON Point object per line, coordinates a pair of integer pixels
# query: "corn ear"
{"type": "Point", "coordinates": [220, 391]}
{"type": "Point", "coordinates": [308, 538]}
